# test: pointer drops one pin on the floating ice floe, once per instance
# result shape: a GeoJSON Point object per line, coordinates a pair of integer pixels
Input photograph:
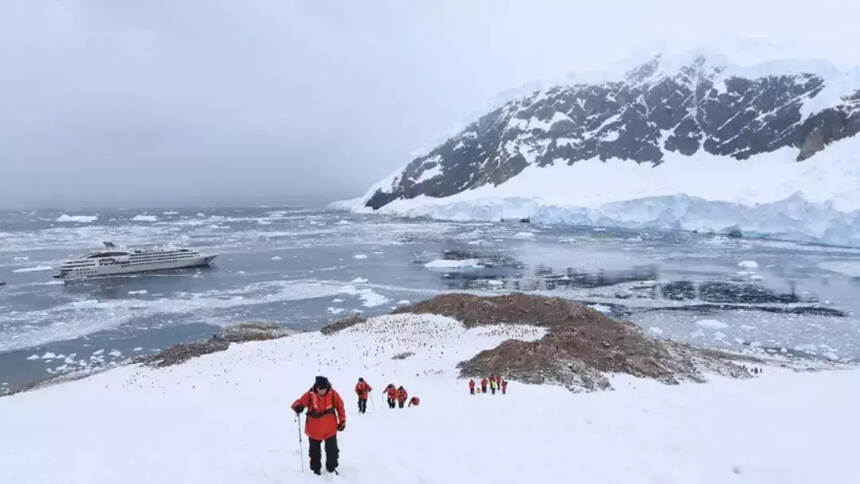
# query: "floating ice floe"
{"type": "Point", "coordinates": [601, 307]}
{"type": "Point", "coordinates": [84, 219]}
{"type": "Point", "coordinates": [144, 218]}
{"type": "Point", "coordinates": [453, 264]}
{"type": "Point", "coordinates": [524, 235]}
{"type": "Point", "coordinates": [359, 280]}
{"type": "Point", "coordinates": [138, 292]}
{"type": "Point", "coordinates": [33, 269]}
{"type": "Point", "coordinates": [276, 257]}
{"type": "Point", "coordinates": [711, 324]}
{"type": "Point", "coordinates": [334, 310]}
{"type": "Point", "coordinates": [846, 268]}
{"type": "Point", "coordinates": [360, 256]}
{"type": "Point", "coordinates": [748, 264]}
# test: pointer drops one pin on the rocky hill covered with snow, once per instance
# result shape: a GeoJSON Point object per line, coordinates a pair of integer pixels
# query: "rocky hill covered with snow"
{"type": "Point", "coordinates": [698, 129]}
{"type": "Point", "coordinates": [224, 416]}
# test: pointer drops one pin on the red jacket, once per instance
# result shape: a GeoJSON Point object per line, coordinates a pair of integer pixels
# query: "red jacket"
{"type": "Point", "coordinates": [392, 393]}
{"type": "Point", "coordinates": [362, 389]}
{"type": "Point", "coordinates": [414, 401]}
{"type": "Point", "coordinates": [324, 413]}
{"type": "Point", "coordinates": [504, 384]}
{"type": "Point", "coordinates": [484, 383]}
{"type": "Point", "coordinates": [402, 395]}
{"type": "Point", "coordinates": [471, 384]}
{"type": "Point", "coordinates": [498, 380]}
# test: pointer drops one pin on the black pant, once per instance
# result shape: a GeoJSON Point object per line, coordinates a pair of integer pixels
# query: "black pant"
{"type": "Point", "coordinates": [331, 453]}
{"type": "Point", "coordinates": [401, 404]}
{"type": "Point", "coordinates": [362, 405]}
{"type": "Point", "coordinates": [390, 403]}
{"type": "Point", "coordinates": [472, 391]}
{"type": "Point", "coordinates": [493, 389]}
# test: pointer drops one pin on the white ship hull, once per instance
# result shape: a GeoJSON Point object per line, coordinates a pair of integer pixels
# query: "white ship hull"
{"type": "Point", "coordinates": [114, 263]}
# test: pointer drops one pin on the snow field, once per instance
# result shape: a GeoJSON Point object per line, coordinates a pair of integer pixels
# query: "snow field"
{"type": "Point", "coordinates": [225, 417]}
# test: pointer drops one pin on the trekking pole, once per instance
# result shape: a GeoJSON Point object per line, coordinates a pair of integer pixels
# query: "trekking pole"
{"type": "Point", "coordinates": [301, 447]}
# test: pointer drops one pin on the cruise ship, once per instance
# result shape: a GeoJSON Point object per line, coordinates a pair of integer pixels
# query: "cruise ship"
{"type": "Point", "coordinates": [112, 261]}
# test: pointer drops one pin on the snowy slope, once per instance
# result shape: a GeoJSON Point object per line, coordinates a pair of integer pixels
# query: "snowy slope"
{"type": "Point", "coordinates": [781, 132]}
{"type": "Point", "coordinates": [225, 418]}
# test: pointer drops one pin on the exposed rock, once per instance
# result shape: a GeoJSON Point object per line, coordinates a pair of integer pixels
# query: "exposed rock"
{"type": "Point", "coordinates": [581, 346]}
{"type": "Point", "coordinates": [239, 333]}
{"type": "Point", "coordinates": [402, 356]}
{"type": "Point", "coordinates": [343, 324]}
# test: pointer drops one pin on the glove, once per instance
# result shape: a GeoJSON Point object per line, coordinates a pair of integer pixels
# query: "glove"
{"type": "Point", "coordinates": [298, 409]}
{"type": "Point", "coordinates": [341, 426]}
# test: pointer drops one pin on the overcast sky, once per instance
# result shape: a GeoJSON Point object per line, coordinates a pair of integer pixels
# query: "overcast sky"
{"type": "Point", "coordinates": [139, 101]}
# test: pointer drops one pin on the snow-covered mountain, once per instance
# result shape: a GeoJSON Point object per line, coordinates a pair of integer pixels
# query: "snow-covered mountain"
{"type": "Point", "coordinates": [675, 135]}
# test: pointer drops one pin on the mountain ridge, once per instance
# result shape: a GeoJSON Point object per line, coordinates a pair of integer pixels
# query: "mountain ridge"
{"type": "Point", "coordinates": [698, 107]}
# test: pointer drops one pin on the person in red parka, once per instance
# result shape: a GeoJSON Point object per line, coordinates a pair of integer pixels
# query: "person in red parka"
{"type": "Point", "coordinates": [362, 389]}
{"type": "Point", "coordinates": [504, 387]}
{"type": "Point", "coordinates": [401, 396]}
{"type": "Point", "coordinates": [391, 391]}
{"type": "Point", "coordinates": [414, 401]}
{"type": "Point", "coordinates": [326, 416]}
{"type": "Point", "coordinates": [484, 385]}
{"type": "Point", "coordinates": [472, 386]}
{"type": "Point", "coordinates": [499, 382]}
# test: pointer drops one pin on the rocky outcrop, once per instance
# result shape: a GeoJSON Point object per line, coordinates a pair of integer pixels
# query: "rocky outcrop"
{"type": "Point", "coordinates": [239, 333]}
{"type": "Point", "coordinates": [582, 344]}
{"type": "Point", "coordinates": [343, 324]}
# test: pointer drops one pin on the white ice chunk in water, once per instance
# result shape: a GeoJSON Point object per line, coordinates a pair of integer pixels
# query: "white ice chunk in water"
{"type": "Point", "coordinates": [452, 264]}
{"type": "Point", "coordinates": [77, 218]}
{"type": "Point", "coordinates": [33, 269]}
{"type": "Point", "coordinates": [748, 264]}
{"type": "Point", "coordinates": [711, 324]}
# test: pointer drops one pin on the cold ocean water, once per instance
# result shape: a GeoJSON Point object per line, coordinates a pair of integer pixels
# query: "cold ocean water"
{"type": "Point", "coordinates": [305, 266]}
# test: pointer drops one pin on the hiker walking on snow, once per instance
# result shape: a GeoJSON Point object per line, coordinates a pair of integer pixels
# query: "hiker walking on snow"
{"type": "Point", "coordinates": [392, 394]}
{"type": "Point", "coordinates": [504, 387]}
{"type": "Point", "coordinates": [484, 385]}
{"type": "Point", "coordinates": [362, 389]}
{"type": "Point", "coordinates": [493, 385]}
{"type": "Point", "coordinates": [326, 416]}
{"type": "Point", "coordinates": [472, 386]}
{"type": "Point", "coordinates": [498, 382]}
{"type": "Point", "coordinates": [414, 401]}
{"type": "Point", "coordinates": [401, 396]}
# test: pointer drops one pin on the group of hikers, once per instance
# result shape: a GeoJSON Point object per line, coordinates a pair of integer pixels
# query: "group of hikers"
{"type": "Point", "coordinates": [326, 416]}
{"type": "Point", "coordinates": [396, 395]}
{"type": "Point", "coordinates": [399, 395]}
{"type": "Point", "coordinates": [496, 382]}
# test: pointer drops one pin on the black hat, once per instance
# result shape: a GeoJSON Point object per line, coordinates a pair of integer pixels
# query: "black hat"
{"type": "Point", "coordinates": [361, 379]}
{"type": "Point", "coordinates": [321, 382]}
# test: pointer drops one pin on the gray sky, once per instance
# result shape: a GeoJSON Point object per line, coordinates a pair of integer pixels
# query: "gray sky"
{"type": "Point", "coordinates": [137, 101]}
